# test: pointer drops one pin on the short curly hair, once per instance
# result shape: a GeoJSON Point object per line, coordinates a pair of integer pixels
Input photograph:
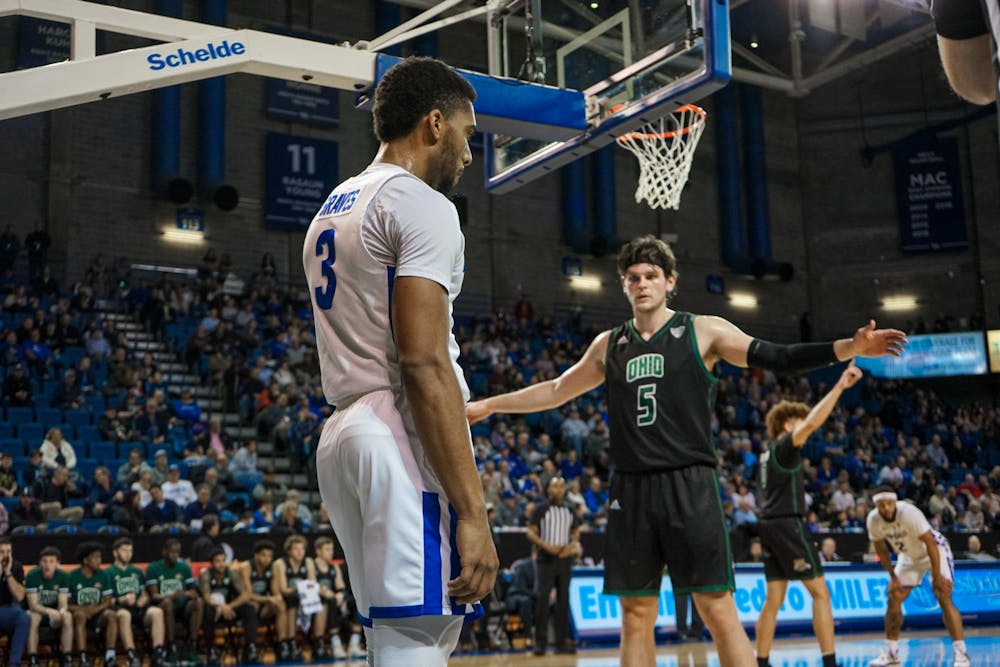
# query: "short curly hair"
{"type": "Point", "coordinates": [412, 89]}
{"type": "Point", "coordinates": [781, 413]}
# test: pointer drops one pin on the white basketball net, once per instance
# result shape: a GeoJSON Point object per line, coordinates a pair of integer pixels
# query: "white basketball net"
{"type": "Point", "coordinates": [665, 149]}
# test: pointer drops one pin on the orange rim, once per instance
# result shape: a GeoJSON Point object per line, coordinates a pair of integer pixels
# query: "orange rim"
{"type": "Point", "coordinates": [700, 116]}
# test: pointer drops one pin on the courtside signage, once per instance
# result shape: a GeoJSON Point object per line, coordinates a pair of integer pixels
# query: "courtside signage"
{"type": "Point", "coordinates": [857, 595]}
{"type": "Point", "coordinates": [180, 56]}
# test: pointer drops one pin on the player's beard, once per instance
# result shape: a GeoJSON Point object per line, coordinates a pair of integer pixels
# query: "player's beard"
{"type": "Point", "coordinates": [448, 167]}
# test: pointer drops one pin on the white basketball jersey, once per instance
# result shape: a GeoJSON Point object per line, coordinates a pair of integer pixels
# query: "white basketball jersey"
{"type": "Point", "coordinates": [903, 534]}
{"type": "Point", "coordinates": [382, 224]}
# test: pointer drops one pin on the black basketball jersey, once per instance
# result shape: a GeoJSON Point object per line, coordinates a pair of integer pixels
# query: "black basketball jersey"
{"type": "Point", "coordinates": [224, 585]}
{"type": "Point", "coordinates": [260, 582]}
{"type": "Point", "coordinates": [782, 486]}
{"type": "Point", "coordinates": [325, 578]}
{"type": "Point", "coordinates": [660, 398]}
{"type": "Point", "coordinates": [297, 573]}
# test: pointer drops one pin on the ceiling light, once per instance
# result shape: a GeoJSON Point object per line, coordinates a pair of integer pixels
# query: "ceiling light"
{"type": "Point", "coordinates": [753, 42]}
{"type": "Point", "coordinates": [183, 237]}
{"type": "Point", "coordinates": [594, 5]}
{"type": "Point", "coordinates": [742, 300]}
{"type": "Point", "coordinates": [585, 283]}
{"type": "Point", "coordinates": [900, 302]}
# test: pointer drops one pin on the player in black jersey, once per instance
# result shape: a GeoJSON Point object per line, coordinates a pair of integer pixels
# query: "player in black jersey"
{"type": "Point", "coordinates": [258, 573]}
{"type": "Point", "coordinates": [226, 602]}
{"type": "Point", "coordinates": [664, 503]}
{"type": "Point", "coordinates": [789, 554]}
{"type": "Point", "coordinates": [289, 570]}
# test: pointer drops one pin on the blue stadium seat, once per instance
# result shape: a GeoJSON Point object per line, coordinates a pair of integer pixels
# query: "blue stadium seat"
{"type": "Point", "coordinates": [18, 415]}
{"type": "Point", "coordinates": [85, 468]}
{"type": "Point", "coordinates": [55, 524]}
{"type": "Point", "coordinates": [88, 433]}
{"type": "Point", "coordinates": [68, 530]}
{"type": "Point", "coordinates": [92, 525]}
{"type": "Point", "coordinates": [32, 434]}
{"type": "Point", "coordinates": [103, 451]}
{"type": "Point", "coordinates": [78, 417]}
{"type": "Point", "coordinates": [48, 417]}
{"type": "Point", "coordinates": [110, 530]}
{"type": "Point", "coordinates": [71, 355]}
{"type": "Point", "coordinates": [9, 502]}
{"type": "Point", "coordinates": [6, 430]}
{"type": "Point", "coordinates": [13, 446]}
{"type": "Point", "coordinates": [68, 431]}
{"type": "Point", "coordinates": [95, 404]}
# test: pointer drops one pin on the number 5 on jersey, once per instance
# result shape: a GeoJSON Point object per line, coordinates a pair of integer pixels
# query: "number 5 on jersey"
{"type": "Point", "coordinates": [324, 246]}
{"type": "Point", "coordinates": [646, 404]}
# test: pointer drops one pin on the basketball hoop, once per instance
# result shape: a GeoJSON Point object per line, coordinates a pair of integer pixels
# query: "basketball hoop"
{"type": "Point", "coordinates": [665, 149]}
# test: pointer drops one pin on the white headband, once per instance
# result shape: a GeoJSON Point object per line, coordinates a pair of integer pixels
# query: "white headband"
{"type": "Point", "coordinates": [884, 495]}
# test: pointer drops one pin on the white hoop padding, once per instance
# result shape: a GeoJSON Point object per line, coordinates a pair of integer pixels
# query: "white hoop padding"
{"type": "Point", "coordinates": [665, 149]}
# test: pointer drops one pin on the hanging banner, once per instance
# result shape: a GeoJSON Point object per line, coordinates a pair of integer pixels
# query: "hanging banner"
{"type": "Point", "coordinates": [929, 196]}
{"type": "Point", "coordinates": [41, 42]}
{"type": "Point", "coordinates": [303, 102]}
{"type": "Point", "coordinates": [301, 172]}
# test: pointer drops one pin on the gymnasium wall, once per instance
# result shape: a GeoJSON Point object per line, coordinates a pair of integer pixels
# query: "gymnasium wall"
{"type": "Point", "coordinates": [86, 171]}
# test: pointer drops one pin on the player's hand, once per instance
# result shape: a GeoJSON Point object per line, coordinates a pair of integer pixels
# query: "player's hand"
{"type": "Point", "coordinates": [476, 411]}
{"type": "Point", "coordinates": [53, 614]}
{"type": "Point", "coordinates": [941, 587]}
{"type": "Point", "coordinates": [871, 342]}
{"type": "Point", "coordinates": [850, 376]}
{"type": "Point", "coordinates": [478, 557]}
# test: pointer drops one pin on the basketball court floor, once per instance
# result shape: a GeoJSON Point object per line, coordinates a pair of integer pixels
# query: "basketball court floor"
{"type": "Point", "coordinates": [918, 649]}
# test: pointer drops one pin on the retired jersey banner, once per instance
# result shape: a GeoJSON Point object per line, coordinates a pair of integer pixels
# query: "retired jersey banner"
{"type": "Point", "coordinates": [301, 172]}
{"type": "Point", "coordinates": [857, 595]}
{"type": "Point", "coordinates": [42, 42]}
{"type": "Point", "coordinates": [929, 196]}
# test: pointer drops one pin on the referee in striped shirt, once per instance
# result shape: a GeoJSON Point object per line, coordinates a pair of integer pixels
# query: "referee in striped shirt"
{"type": "Point", "coordinates": [555, 530]}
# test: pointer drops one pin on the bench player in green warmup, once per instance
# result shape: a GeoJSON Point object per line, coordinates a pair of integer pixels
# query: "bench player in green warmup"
{"type": "Point", "coordinates": [665, 507]}
{"type": "Point", "coordinates": [47, 589]}
{"type": "Point", "coordinates": [789, 554]}
{"type": "Point", "coordinates": [90, 603]}
{"type": "Point", "coordinates": [172, 586]}
{"type": "Point", "coordinates": [131, 602]}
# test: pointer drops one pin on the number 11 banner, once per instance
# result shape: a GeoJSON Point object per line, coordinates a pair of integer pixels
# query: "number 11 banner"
{"type": "Point", "coordinates": [301, 172]}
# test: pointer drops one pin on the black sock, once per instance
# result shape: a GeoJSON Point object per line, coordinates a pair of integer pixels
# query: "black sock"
{"type": "Point", "coordinates": [829, 660]}
{"type": "Point", "coordinates": [762, 661]}
{"type": "Point", "coordinates": [130, 652]}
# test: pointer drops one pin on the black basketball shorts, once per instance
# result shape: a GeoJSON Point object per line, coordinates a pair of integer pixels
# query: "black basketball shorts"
{"type": "Point", "coordinates": [789, 552]}
{"type": "Point", "coordinates": [667, 518]}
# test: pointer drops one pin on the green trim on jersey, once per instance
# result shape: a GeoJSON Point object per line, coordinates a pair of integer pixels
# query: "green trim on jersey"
{"type": "Point", "coordinates": [659, 332]}
{"type": "Point", "coordinates": [84, 591]}
{"type": "Point", "coordinates": [731, 578]}
{"type": "Point", "coordinates": [48, 590]}
{"type": "Point", "coordinates": [697, 353]}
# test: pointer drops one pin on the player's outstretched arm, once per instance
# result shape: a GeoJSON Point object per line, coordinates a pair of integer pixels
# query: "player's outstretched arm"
{"type": "Point", "coordinates": [420, 326]}
{"type": "Point", "coordinates": [579, 378]}
{"type": "Point", "coordinates": [721, 339]}
{"type": "Point", "coordinates": [822, 410]}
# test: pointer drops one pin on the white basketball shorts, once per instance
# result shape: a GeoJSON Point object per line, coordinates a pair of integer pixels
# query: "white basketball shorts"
{"type": "Point", "coordinates": [911, 572]}
{"type": "Point", "coordinates": [389, 511]}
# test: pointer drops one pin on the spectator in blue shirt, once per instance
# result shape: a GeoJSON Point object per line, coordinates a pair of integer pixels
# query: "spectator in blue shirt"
{"type": "Point", "coordinates": [202, 506]}
{"type": "Point", "coordinates": [104, 495]}
{"type": "Point", "coordinates": [571, 467]}
{"type": "Point", "coordinates": [186, 408]}
{"type": "Point", "coordinates": [160, 512]}
{"type": "Point", "coordinates": [595, 496]}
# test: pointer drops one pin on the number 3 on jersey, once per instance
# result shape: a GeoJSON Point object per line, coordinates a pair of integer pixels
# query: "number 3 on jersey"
{"type": "Point", "coordinates": [324, 294]}
{"type": "Point", "coordinates": [645, 404]}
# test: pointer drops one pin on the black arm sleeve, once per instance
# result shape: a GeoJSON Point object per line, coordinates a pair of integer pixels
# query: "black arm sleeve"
{"type": "Point", "coordinates": [790, 358]}
{"type": "Point", "coordinates": [958, 19]}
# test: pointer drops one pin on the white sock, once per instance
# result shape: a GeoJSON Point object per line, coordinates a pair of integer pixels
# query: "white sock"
{"type": "Point", "coordinates": [893, 645]}
{"type": "Point", "coordinates": [959, 646]}
{"type": "Point", "coordinates": [109, 656]}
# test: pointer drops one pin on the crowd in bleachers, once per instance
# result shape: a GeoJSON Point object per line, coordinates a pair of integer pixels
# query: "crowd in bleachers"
{"type": "Point", "coordinates": [98, 431]}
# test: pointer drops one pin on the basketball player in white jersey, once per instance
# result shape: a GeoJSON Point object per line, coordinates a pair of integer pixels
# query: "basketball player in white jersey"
{"type": "Point", "coordinates": [920, 549]}
{"type": "Point", "coordinates": [384, 259]}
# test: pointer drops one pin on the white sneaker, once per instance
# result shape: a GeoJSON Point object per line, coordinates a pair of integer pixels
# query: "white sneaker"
{"type": "Point", "coordinates": [886, 658]}
{"type": "Point", "coordinates": [338, 649]}
{"type": "Point", "coordinates": [961, 659]}
{"type": "Point", "coordinates": [354, 648]}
